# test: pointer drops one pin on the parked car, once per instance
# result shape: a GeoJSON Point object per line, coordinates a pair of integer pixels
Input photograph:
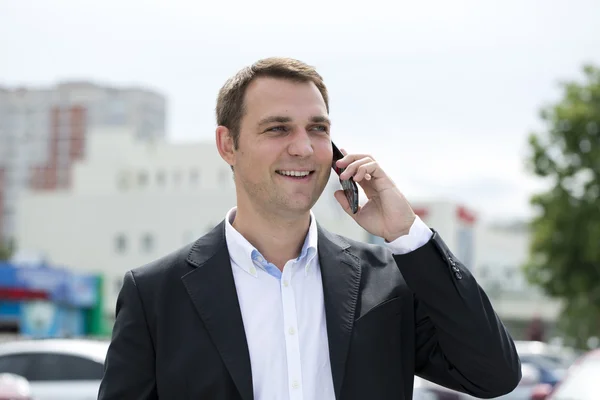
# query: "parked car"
{"type": "Point", "coordinates": [14, 387]}
{"type": "Point", "coordinates": [430, 390]}
{"type": "Point", "coordinates": [552, 360]}
{"type": "Point", "coordinates": [548, 372]}
{"type": "Point", "coordinates": [57, 369]}
{"type": "Point", "coordinates": [560, 357]}
{"type": "Point", "coordinates": [425, 390]}
{"type": "Point", "coordinates": [581, 381]}
{"type": "Point", "coordinates": [531, 378]}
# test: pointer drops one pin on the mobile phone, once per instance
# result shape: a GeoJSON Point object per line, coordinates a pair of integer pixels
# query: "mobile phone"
{"type": "Point", "coordinates": [349, 186]}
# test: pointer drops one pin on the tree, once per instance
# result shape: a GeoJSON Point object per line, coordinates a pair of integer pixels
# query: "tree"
{"type": "Point", "coordinates": [565, 247]}
{"type": "Point", "coordinates": [5, 251]}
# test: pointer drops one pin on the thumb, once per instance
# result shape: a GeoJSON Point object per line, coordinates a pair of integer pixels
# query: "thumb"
{"type": "Point", "coordinates": [341, 198]}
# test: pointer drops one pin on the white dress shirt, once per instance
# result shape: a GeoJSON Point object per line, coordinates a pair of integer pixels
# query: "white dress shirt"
{"type": "Point", "coordinates": [284, 314]}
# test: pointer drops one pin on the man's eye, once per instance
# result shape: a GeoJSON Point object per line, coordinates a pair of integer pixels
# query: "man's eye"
{"type": "Point", "coordinates": [322, 128]}
{"type": "Point", "coordinates": [278, 129]}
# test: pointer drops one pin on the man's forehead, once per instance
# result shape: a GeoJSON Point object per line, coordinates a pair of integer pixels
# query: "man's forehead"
{"type": "Point", "coordinates": [265, 89]}
{"type": "Point", "coordinates": [277, 100]}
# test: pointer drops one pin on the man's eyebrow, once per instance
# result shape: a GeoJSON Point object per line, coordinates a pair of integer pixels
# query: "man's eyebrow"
{"type": "Point", "coordinates": [283, 120]}
{"type": "Point", "coordinates": [321, 119]}
{"type": "Point", "coordinates": [273, 119]}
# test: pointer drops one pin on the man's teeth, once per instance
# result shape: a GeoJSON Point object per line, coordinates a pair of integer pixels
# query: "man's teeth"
{"type": "Point", "coordinates": [294, 173]}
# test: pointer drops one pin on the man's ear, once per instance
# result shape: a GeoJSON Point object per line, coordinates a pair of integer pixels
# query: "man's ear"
{"type": "Point", "coordinates": [225, 146]}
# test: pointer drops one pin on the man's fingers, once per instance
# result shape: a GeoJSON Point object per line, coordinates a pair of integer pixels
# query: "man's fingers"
{"type": "Point", "coordinates": [359, 168]}
{"type": "Point", "coordinates": [365, 170]}
{"type": "Point", "coordinates": [341, 198]}
{"type": "Point", "coordinates": [350, 158]}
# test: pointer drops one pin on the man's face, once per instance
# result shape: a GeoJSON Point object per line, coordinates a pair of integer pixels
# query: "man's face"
{"type": "Point", "coordinates": [283, 160]}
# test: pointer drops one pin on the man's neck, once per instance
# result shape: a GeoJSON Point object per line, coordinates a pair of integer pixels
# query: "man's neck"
{"type": "Point", "coordinates": [278, 239]}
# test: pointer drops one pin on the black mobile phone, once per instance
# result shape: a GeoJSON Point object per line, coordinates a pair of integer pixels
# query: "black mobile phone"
{"type": "Point", "coordinates": [349, 186]}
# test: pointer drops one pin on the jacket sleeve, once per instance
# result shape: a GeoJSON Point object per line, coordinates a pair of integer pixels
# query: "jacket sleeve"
{"type": "Point", "coordinates": [460, 341]}
{"type": "Point", "coordinates": [129, 365]}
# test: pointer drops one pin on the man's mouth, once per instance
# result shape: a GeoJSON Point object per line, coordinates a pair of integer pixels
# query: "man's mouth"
{"type": "Point", "coordinates": [299, 175]}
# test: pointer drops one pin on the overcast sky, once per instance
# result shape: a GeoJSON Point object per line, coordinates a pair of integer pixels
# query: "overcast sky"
{"type": "Point", "coordinates": [442, 93]}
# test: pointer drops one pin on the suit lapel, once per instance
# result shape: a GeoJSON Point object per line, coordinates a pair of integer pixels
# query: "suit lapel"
{"type": "Point", "coordinates": [212, 290]}
{"type": "Point", "coordinates": [340, 272]}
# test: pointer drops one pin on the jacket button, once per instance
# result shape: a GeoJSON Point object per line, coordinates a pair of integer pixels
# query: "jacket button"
{"type": "Point", "coordinates": [457, 273]}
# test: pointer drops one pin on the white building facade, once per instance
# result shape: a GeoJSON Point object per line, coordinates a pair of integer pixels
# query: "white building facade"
{"type": "Point", "coordinates": [500, 255]}
{"type": "Point", "coordinates": [132, 202]}
{"type": "Point", "coordinates": [43, 132]}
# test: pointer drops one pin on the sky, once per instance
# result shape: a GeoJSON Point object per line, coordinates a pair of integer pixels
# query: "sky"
{"type": "Point", "coordinates": [443, 94]}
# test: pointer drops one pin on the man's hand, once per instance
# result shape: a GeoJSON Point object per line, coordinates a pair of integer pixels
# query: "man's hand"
{"type": "Point", "coordinates": [386, 214]}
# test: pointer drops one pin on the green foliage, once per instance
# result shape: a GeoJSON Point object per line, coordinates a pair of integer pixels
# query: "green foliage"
{"type": "Point", "coordinates": [565, 248]}
{"type": "Point", "coordinates": [5, 251]}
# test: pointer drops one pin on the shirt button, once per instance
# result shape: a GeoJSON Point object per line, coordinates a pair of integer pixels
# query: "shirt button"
{"type": "Point", "coordinates": [295, 385]}
{"type": "Point", "coordinates": [252, 270]}
{"type": "Point", "coordinates": [292, 331]}
{"type": "Point", "coordinates": [286, 283]}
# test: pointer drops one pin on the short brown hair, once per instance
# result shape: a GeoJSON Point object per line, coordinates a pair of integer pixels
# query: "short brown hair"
{"type": "Point", "coordinates": [230, 102]}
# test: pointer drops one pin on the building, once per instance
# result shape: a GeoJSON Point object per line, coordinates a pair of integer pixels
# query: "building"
{"type": "Point", "coordinates": [501, 254]}
{"type": "Point", "coordinates": [131, 202]}
{"type": "Point", "coordinates": [43, 131]}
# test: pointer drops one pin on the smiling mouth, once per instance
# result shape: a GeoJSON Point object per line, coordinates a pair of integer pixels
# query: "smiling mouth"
{"type": "Point", "coordinates": [299, 175]}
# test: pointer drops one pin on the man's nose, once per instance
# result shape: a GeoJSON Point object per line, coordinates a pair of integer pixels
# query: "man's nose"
{"type": "Point", "coordinates": [301, 145]}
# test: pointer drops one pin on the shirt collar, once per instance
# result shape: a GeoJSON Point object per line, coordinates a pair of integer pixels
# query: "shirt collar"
{"type": "Point", "coordinates": [244, 254]}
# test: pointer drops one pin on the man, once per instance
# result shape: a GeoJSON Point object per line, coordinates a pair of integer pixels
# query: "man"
{"type": "Point", "coordinates": [271, 306]}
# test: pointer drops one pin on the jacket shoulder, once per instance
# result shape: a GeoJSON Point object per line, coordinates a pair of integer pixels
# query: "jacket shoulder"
{"type": "Point", "coordinates": [179, 262]}
{"type": "Point", "coordinates": [163, 267]}
{"type": "Point", "coordinates": [373, 253]}
{"type": "Point", "coordinates": [380, 273]}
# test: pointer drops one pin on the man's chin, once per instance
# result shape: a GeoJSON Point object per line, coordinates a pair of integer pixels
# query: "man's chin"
{"type": "Point", "coordinates": [297, 206]}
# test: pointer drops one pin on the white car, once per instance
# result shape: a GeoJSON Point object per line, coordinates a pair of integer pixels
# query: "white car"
{"type": "Point", "coordinates": [562, 357]}
{"type": "Point", "coordinates": [57, 369]}
{"type": "Point", "coordinates": [421, 392]}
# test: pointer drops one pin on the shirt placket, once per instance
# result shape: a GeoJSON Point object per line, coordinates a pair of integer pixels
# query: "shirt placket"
{"type": "Point", "coordinates": [292, 342]}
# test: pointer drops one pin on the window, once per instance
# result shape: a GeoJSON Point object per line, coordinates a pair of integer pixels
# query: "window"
{"type": "Point", "coordinates": [147, 243]}
{"type": "Point", "coordinates": [120, 243]}
{"type": "Point", "coordinates": [115, 112]}
{"type": "Point", "coordinates": [17, 364]}
{"type": "Point", "coordinates": [194, 176]}
{"type": "Point", "coordinates": [63, 367]}
{"type": "Point", "coordinates": [143, 178]}
{"type": "Point", "coordinates": [160, 178]}
{"type": "Point", "coordinates": [123, 181]}
{"type": "Point", "coordinates": [465, 246]}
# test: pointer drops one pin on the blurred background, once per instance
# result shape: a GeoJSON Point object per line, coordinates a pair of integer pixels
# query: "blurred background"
{"type": "Point", "coordinates": [486, 115]}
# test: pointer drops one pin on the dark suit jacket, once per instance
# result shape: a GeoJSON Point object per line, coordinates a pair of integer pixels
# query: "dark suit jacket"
{"type": "Point", "coordinates": [179, 334]}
